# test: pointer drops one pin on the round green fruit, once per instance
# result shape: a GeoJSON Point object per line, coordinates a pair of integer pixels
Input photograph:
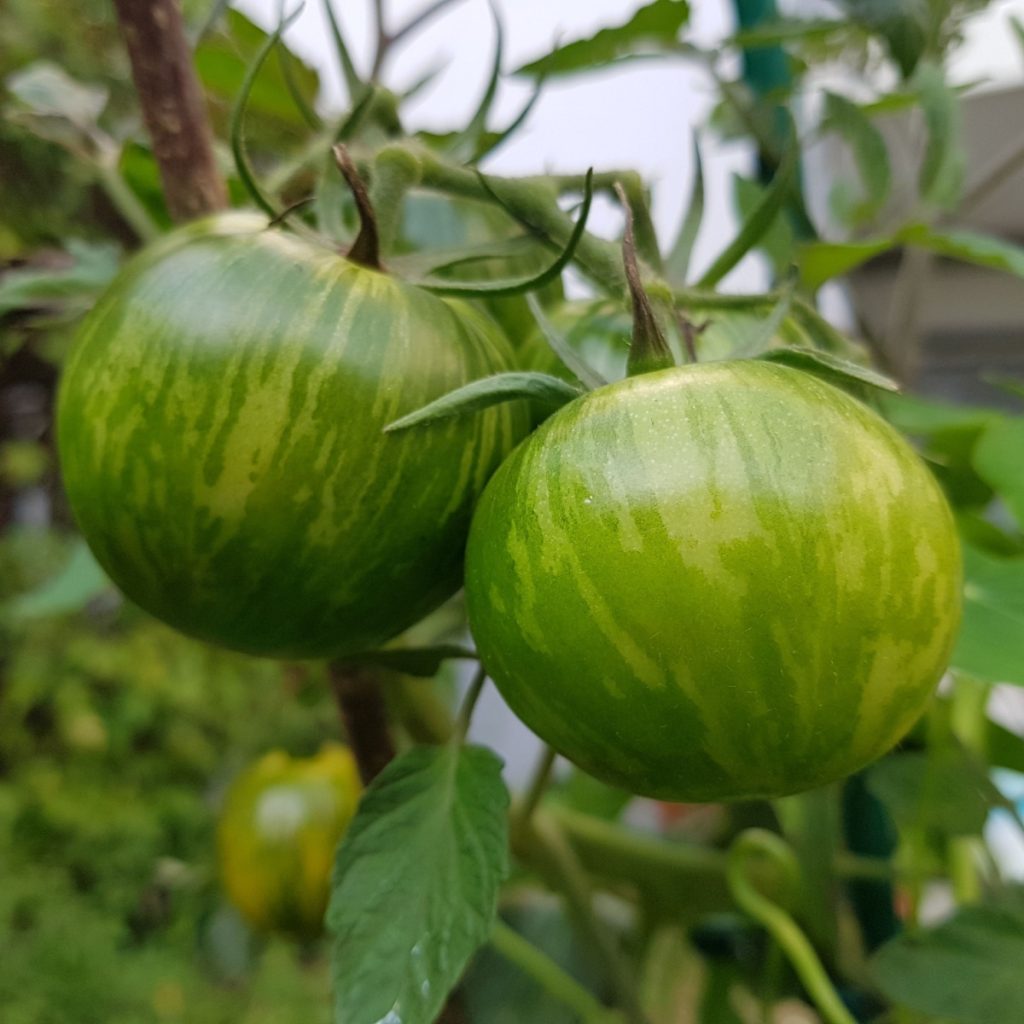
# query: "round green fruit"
{"type": "Point", "coordinates": [718, 582]}
{"type": "Point", "coordinates": [276, 838]}
{"type": "Point", "coordinates": [220, 429]}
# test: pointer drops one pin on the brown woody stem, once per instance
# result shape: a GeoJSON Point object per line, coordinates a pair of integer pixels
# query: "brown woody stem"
{"type": "Point", "coordinates": [172, 106]}
{"type": "Point", "coordinates": [360, 699]}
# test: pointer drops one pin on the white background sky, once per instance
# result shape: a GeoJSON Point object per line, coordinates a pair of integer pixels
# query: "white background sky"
{"type": "Point", "coordinates": [640, 116]}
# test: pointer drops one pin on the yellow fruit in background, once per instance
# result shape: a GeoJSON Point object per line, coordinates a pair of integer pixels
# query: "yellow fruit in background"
{"type": "Point", "coordinates": [282, 820]}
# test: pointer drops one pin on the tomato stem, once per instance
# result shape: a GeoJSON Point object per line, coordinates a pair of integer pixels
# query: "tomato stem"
{"type": "Point", "coordinates": [365, 249]}
{"type": "Point", "coordinates": [538, 783]}
{"type": "Point", "coordinates": [649, 349]}
{"type": "Point", "coordinates": [360, 700]}
{"type": "Point", "coordinates": [469, 703]}
{"type": "Point", "coordinates": [550, 976]}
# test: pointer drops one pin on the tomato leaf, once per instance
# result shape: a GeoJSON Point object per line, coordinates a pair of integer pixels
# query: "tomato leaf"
{"type": "Point", "coordinates": [945, 790]}
{"type": "Point", "coordinates": [677, 263]}
{"type": "Point", "coordinates": [72, 288]}
{"type": "Point", "coordinates": [819, 262]}
{"type": "Point", "coordinates": [965, 971]}
{"type": "Point", "coordinates": [416, 882]}
{"type": "Point", "coordinates": [570, 359]}
{"type": "Point", "coordinates": [70, 590]}
{"type": "Point", "coordinates": [867, 146]}
{"type": "Point", "coordinates": [467, 141]}
{"type": "Point", "coordinates": [776, 244]}
{"type": "Point", "coordinates": [481, 394]}
{"type": "Point", "coordinates": [968, 247]}
{"type": "Point", "coordinates": [424, 662]}
{"type": "Point", "coordinates": [45, 90]}
{"type": "Point", "coordinates": [991, 642]}
{"type": "Point", "coordinates": [1003, 748]}
{"type": "Point", "coordinates": [652, 29]}
{"type": "Point", "coordinates": [786, 30]}
{"type": "Point", "coordinates": [836, 371]}
{"type": "Point", "coordinates": [945, 164]}
{"type": "Point", "coordinates": [901, 24]}
{"type": "Point", "coordinates": [757, 222]}
{"type": "Point", "coordinates": [999, 460]}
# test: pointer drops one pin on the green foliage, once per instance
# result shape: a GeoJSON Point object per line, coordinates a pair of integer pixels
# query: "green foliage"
{"type": "Point", "coordinates": [426, 853]}
{"type": "Point", "coordinates": [966, 971]}
{"type": "Point", "coordinates": [118, 738]}
{"type": "Point", "coordinates": [652, 29]}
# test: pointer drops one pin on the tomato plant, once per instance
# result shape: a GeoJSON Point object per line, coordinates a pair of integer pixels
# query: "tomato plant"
{"type": "Point", "coordinates": [709, 572]}
{"type": "Point", "coordinates": [220, 431]}
{"type": "Point", "coordinates": [281, 822]}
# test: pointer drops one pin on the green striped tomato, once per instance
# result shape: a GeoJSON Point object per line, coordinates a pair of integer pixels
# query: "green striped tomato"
{"type": "Point", "coordinates": [717, 582]}
{"type": "Point", "coordinates": [282, 820]}
{"type": "Point", "coordinates": [220, 429]}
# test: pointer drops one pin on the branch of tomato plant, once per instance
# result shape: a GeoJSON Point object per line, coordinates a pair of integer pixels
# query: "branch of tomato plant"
{"type": "Point", "coordinates": [173, 106]}
{"type": "Point", "coordinates": [124, 200]}
{"type": "Point", "coordinates": [558, 983]}
{"type": "Point", "coordinates": [540, 844]}
{"type": "Point", "coordinates": [360, 698]}
{"type": "Point", "coordinates": [539, 782]}
{"type": "Point", "coordinates": [387, 40]}
{"type": "Point", "coordinates": [476, 687]}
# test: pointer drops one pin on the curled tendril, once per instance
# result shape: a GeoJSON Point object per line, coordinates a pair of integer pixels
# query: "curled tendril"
{"type": "Point", "coordinates": [245, 171]}
{"type": "Point", "coordinates": [758, 843]}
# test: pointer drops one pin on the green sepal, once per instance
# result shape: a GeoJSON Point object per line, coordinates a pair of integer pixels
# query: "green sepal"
{"type": "Point", "coordinates": [541, 388]}
{"type": "Point", "coordinates": [577, 366]}
{"type": "Point", "coordinates": [831, 368]}
{"type": "Point", "coordinates": [518, 286]}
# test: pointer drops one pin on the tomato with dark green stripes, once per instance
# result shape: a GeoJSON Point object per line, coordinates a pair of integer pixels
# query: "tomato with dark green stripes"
{"type": "Point", "coordinates": [717, 582]}
{"type": "Point", "coordinates": [221, 437]}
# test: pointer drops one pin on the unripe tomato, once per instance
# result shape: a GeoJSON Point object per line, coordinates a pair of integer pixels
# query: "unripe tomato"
{"type": "Point", "coordinates": [282, 821]}
{"type": "Point", "coordinates": [220, 429]}
{"type": "Point", "coordinates": [717, 582]}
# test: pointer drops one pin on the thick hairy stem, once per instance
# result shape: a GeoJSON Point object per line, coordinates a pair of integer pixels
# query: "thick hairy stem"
{"type": "Point", "coordinates": [534, 202]}
{"type": "Point", "coordinates": [357, 689]}
{"type": "Point", "coordinates": [172, 106]}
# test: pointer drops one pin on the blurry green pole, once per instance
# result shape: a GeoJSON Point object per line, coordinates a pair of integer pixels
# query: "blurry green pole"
{"type": "Point", "coordinates": [767, 75]}
{"type": "Point", "coordinates": [766, 72]}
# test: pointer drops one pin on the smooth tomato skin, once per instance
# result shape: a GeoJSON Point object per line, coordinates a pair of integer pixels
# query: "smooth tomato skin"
{"type": "Point", "coordinates": [282, 820]}
{"type": "Point", "coordinates": [220, 427]}
{"type": "Point", "coordinates": [718, 582]}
